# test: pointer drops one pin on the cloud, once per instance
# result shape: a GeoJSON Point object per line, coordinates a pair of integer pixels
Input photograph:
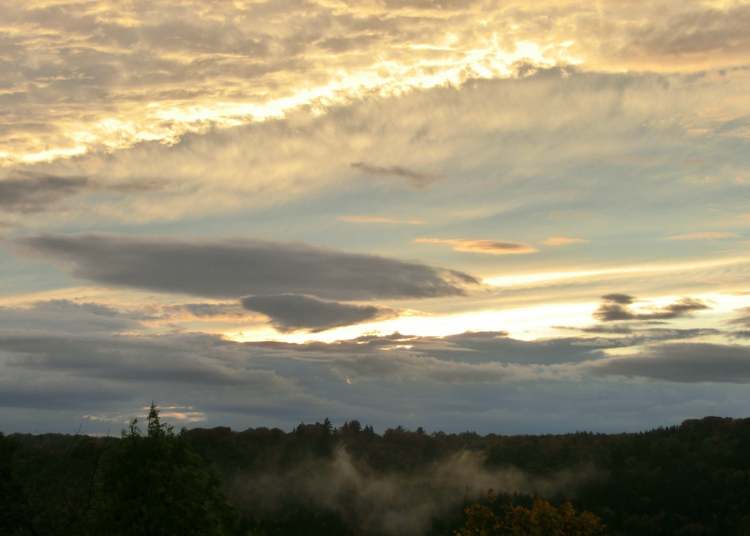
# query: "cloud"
{"type": "Point", "coordinates": [379, 219]}
{"type": "Point", "coordinates": [483, 381]}
{"type": "Point", "coordinates": [153, 359]}
{"type": "Point", "coordinates": [498, 347]}
{"type": "Point", "coordinates": [37, 193]}
{"type": "Point", "coordinates": [67, 316]}
{"type": "Point", "coordinates": [744, 317]}
{"type": "Point", "coordinates": [463, 351]}
{"type": "Point", "coordinates": [622, 299]}
{"type": "Point", "coordinates": [209, 310]}
{"type": "Point", "coordinates": [556, 241]}
{"type": "Point", "coordinates": [629, 335]}
{"type": "Point", "coordinates": [290, 312]}
{"type": "Point", "coordinates": [42, 393]}
{"type": "Point", "coordinates": [488, 247]}
{"type": "Point", "coordinates": [221, 269]}
{"type": "Point", "coordinates": [510, 144]}
{"type": "Point", "coordinates": [692, 36]}
{"type": "Point", "coordinates": [708, 235]}
{"type": "Point", "coordinates": [615, 308]}
{"type": "Point", "coordinates": [686, 362]}
{"type": "Point", "coordinates": [234, 63]}
{"type": "Point", "coordinates": [418, 179]}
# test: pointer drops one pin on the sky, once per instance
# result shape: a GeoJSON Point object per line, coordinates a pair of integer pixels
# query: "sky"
{"type": "Point", "coordinates": [498, 216]}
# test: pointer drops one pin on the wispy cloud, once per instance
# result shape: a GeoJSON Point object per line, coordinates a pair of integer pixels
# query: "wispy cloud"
{"type": "Point", "coordinates": [379, 219]}
{"type": "Point", "coordinates": [616, 307]}
{"type": "Point", "coordinates": [705, 235]}
{"type": "Point", "coordinates": [557, 241]}
{"type": "Point", "coordinates": [418, 179]}
{"type": "Point", "coordinates": [37, 193]}
{"type": "Point", "coordinates": [487, 247]}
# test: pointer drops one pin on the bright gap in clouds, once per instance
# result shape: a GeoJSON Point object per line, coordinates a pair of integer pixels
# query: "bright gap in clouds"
{"type": "Point", "coordinates": [541, 278]}
{"type": "Point", "coordinates": [527, 323]}
{"type": "Point", "coordinates": [523, 323]}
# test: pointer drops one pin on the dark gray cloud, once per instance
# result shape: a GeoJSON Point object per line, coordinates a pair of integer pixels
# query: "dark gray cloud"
{"type": "Point", "coordinates": [66, 316]}
{"type": "Point", "coordinates": [292, 311]}
{"type": "Point", "coordinates": [457, 382]}
{"type": "Point", "coordinates": [30, 193]}
{"type": "Point", "coordinates": [623, 299]}
{"type": "Point", "coordinates": [223, 269]}
{"type": "Point", "coordinates": [417, 178]}
{"type": "Point", "coordinates": [684, 362]}
{"type": "Point", "coordinates": [146, 360]}
{"type": "Point", "coordinates": [66, 394]}
{"type": "Point", "coordinates": [636, 335]}
{"type": "Point", "coordinates": [479, 347]}
{"type": "Point", "coordinates": [209, 310]}
{"type": "Point", "coordinates": [615, 308]}
{"type": "Point", "coordinates": [37, 193]}
{"type": "Point", "coordinates": [472, 348]}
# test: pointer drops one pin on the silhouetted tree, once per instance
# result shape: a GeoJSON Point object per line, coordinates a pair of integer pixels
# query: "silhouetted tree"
{"type": "Point", "coordinates": [157, 485]}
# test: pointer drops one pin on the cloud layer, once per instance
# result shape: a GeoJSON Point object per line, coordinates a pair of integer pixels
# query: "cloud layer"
{"type": "Point", "coordinates": [693, 362]}
{"type": "Point", "coordinates": [233, 269]}
{"type": "Point", "coordinates": [104, 75]}
{"type": "Point", "coordinates": [86, 359]}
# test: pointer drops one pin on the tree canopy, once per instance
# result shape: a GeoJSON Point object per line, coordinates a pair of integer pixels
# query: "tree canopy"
{"type": "Point", "coordinates": [156, 485]}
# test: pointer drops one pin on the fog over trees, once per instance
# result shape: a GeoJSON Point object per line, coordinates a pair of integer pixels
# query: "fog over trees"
{"type": "Point", "coordinates": [319, 479]}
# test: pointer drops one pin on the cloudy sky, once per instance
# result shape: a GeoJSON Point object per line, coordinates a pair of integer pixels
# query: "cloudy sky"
{"type": "Point", "coordinates": [502, 216]}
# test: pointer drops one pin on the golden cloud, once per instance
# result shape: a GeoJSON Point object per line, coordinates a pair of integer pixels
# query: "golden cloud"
{"type": "Point", "coordinates": [488, 247]}
{"type": "Point", "coordinates": [556, 241]}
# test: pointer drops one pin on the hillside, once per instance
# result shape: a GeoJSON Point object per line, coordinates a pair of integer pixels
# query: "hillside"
{"type": "Point", "coordinates": [689, 479]}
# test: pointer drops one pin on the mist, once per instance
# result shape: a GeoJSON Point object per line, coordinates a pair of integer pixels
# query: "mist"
{"type": "Point", "coordinates": [373, 502]}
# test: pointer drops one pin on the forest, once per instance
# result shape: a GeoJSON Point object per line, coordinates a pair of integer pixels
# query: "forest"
{"type": "Point", "coordinates": [689, 479]}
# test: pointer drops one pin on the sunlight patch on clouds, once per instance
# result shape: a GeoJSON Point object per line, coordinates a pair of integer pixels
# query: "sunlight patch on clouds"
{"type": "Point", "coordinates": [167, 122]}
{"type": "Point", "coordinates": [521, 323]}
{"type": "Point", "coordinates": [540, 278]}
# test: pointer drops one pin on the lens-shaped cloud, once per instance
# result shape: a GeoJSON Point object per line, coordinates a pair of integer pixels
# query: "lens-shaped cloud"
{"type": "Point", "coordinates": [223, 269]}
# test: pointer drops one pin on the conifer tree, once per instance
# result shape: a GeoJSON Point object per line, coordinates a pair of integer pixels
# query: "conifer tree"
{"type": "Point", "coordinates": [156, 485]}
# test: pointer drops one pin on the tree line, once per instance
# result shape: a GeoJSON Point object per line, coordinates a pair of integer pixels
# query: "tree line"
{"type": "Point", "coordinates": [691, 479]}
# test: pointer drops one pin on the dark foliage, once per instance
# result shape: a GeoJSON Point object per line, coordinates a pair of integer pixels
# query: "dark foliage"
{"type": "Point", "coordinates": [496, 516]}
{"type": "Point", "coordinates": [692, 479]}
{"type": "Point", "coordinates": [156, 485]}
{"type": "Point", "coordinates": [15, 514]}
